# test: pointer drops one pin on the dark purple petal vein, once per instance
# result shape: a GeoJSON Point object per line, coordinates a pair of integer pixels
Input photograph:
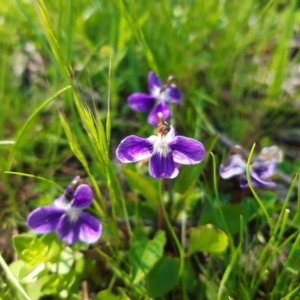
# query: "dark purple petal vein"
{"type": "Point", "coordinates": [162, 166]}
{"type": "Point", "coordinates": [68, 231]}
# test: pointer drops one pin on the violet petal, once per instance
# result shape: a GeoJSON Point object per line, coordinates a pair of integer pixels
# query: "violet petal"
{"type": "Point", "coordinates": [234, 165]}
{"type": "Point", "coordinates": [163, 166]}
{"type": "Point", "coordinates": [67, 230]}
{"type": "Point", "coordinates": [173, 95]}
{"type": "Point", "coordinates": [170, 135]}
{"type": "Point", "coordinates": [154, 83]}
{"type": "Point", "coordinates": [256, 181]}
{"type": "Point", "coordinates": [83, 197]}
{"type": "Point", "coordinates": [90, 228]}
{"type": "Point", "coordinates": [160, 108]}
{"type": "Point", "coordinates": [187, 151]}
{"type": "Point", "coordinates": [60, 201]}
{"type": "Point", "coordinates": [45, 219]}
{"type": "Point", "coordinates": [140, 102]}
{"type": "Point", "coordinates": [134, 148]}
{"type": "Point", "coordinates": [260, 174]}
{"type": "Point", "coordinates": [264, 169]}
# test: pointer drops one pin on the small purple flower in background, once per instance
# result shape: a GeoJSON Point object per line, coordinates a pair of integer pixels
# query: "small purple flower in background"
{"type": "Point", "coordinates": [156, 100]}
{"type": "Point", "coordinates": [165, 151]}
{"type": "Point", "coordinates": [68, 220]}
{"type": "Point", "coordinates": [261, 170]}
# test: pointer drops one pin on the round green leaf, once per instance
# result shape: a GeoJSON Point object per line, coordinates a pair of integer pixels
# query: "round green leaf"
{"type": "Point", "coordinates": [207, 238]}
{"type": "Point", "coordinates": [163, 276]}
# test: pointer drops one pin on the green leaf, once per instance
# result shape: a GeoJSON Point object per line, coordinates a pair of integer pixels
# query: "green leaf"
{"type": "Point", "coordinates": [106, 295]}
{"type": "Point", "coordinates": [29, 248]}
{"type": "Point", "coordinates": [65, 262]}
{"type": "Point", "coordinates": [189, 175]}
{"type": "Point", "coordinates": [21, 242]}
{"type": "Point", "coordinates": [163, 276]}
{"type": "Point", "coordinates": [16, 266]}
{"type": "Point", "coordinates": [207, 238]}
{"type": "Point", "coordinates": [231, 213]}
{"type": "Point", "coordinates": [9, 273]}
{"type": "Point", "coordinates": [56, 284]}
{"type": "Point", "coordinates": [34, 288]}
{"type": "Point", "coordinates": [31, 273]}
{"type": "Point", "coordinates": [144, 253]}
{"type": "Point", "coordinates": [142, 186]}
{"type": "Point", "coordinates": [55, 247]}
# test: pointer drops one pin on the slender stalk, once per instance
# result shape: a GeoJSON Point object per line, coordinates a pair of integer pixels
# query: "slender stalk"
{"type": "Point", "coordinates": [10, 276]}
{"type": "Point", "coordinates": [276, 248]}
{"type": "Point", "coordinates": [114, 201]}
{"type": "Point", "coordinates": [119, 273]}
{"type": "Point", "coordinates": [227, 272]}
{"type": "Point", "coordinates": [279, 222]}
{"type": "Point", "coordinates": [159, 216]}
{"type": "Point", "coordinates": [220, 205]}
{"type": "Point", "coordinates": [291, 294]}
{"type": "Point", "coordinates": [183, 230]}
{"type": "Point", "coordinates": [173, 233]}
{"type": "Point", "coordinates": [269, 220]}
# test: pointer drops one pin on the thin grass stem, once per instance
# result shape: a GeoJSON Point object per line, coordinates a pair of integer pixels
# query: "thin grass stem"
{"type": "Point", "coordinates": [10, 276]}
{"type": "Point", "coordinates": [269, 220]}
{"type": "Point", "coordinates": [173, 233]}
{"type": "Point", "coordinates": [220, 205]}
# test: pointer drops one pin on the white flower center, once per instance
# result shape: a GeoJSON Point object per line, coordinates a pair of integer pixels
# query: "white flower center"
{"type": "Point", "coordinates": [73, 213]}
{"type": "Point", "coordinates": [159, 96]}
{"type": "Point", "coordinates": [161, 146]}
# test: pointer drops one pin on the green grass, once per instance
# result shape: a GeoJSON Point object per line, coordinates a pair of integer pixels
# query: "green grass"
{"type": "Point", "coordinates": [67, 115]}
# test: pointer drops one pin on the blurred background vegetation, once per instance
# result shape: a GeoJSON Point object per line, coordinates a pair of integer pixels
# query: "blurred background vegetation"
{"type": "Point", "coordinates": [237, 63]}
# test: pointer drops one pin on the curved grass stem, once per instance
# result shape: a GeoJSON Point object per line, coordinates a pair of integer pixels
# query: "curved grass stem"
{"type": "Point", "coordinates": [269, 220]}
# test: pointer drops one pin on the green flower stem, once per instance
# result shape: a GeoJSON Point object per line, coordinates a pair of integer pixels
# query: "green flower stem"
{"type": "Point", "coordinates": [252, 188]}
{"type": "Point", "coordinates": [119, 273]}
{"type": "Point", "coordinates": [173, 233]}
{"type": "Point", "coordinates": [220, 205]}
{"type": "Point", "coordinates": [280, 225]}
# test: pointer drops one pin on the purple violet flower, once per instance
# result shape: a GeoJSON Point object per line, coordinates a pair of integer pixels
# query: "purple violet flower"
{"type": "Point", "coordinates": [156, 100]}
{"type": "Point", "coordinates": [68, 220]}
{"type": "Point", "coordinates": [165, 151]}
{"type": "Point", "coordinates": [261, 170]}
